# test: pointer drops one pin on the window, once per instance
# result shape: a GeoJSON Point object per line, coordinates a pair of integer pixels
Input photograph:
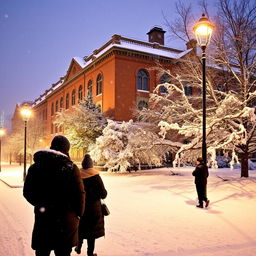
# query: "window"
{"type": "Point", "coordinates": [45, 114]}
{"type": "Point", "coordinates": [80, 93]}
{"type": "Point", "coordinates": [52, 109]}
{"type": "Point", "coordinates": [89, 89]}
{"type": "Point", "coordinates": [142, 104]}
{"type": "Point", "coordinates": [142, 80]}
{"type": "Point", "coordinates": [99, 84]}
{"type": "Point", "coordinates": [73, 101]}
{"type": "Point", "coordinates": [165, 78]}
{"type": "Point", "coordinates": [57, 106]}
{"type": "Point", "coordinates": [67, 101]}
{"type": "Point", "coordinates": [188, 90]}
{"type": "Point", "coordinates": [52, 128]}
{"type": "Point", "coordinates": [221, 87]}
{"type": "Point", "coordinates": [61, 103]}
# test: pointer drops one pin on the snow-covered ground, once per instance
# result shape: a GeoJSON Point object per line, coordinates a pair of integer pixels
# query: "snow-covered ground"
{"type": "Point", "coordinates": [153, 213]}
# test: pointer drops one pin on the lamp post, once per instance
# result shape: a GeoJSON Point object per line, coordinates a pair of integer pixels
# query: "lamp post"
{"type": "Point", "coordinates": [203, 31]}
{"type": "Point", "coordinates": [26, 114]}
{"type": "Point", "coordinates": [2, 133]}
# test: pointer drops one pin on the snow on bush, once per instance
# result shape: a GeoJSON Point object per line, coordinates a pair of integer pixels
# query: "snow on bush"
{"type": "Point", "coordinates": [127, 144]}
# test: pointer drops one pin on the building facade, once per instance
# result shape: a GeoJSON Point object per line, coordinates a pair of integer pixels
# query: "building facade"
{"type": "Point", "coordinates": [119, 75]}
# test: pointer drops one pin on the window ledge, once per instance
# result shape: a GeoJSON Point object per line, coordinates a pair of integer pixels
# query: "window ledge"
{"type": "Point", "coordinates": [142, 91]}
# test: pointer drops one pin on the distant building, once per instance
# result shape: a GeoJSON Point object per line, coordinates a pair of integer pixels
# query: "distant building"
{"type": "Point", "coordinates": [16, 118]}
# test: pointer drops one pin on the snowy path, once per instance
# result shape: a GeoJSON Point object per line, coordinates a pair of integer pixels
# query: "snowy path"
{"type": "Point", "coordinates": [14, 215]}
{"type": "Point", "coordinates": [154, 214]}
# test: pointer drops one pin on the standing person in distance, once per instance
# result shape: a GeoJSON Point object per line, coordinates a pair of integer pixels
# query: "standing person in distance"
{"type": "Point", "coordinates": [92, 222]}
{"type": "Point", "coordinates": [201, 174]}
{"type": "Point", "coordinates": [54, 187]}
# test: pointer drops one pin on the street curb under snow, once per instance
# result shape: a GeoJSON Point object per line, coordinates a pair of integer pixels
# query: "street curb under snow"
{"type": "Point", "coordinates": [11, 186]}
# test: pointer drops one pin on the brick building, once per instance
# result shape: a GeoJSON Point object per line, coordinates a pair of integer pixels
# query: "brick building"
{"type": "Point", "coordinates": [118, 75]}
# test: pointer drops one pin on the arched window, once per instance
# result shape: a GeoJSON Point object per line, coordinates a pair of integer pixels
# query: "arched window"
{"type": "Point", "coordinates": [80, 93]}
{"type": "Point", "coordinates": [61, 103]}
{"type": "Point", "coordinates": [73, 101]}
{"type": "Point", "coordinates": [67, 101]}
{"type": "Point", "coordinates": [89, 89]}
{"type": "Point", "coordinates": [142, 80]}
{"type": "Point", "coordinates": [52, 109]}
{"type": "Point", "coordinates": [142, 104]}
{"type": "Point", "coordinates": [99, 84]}
{"type": "Point", "coordinates": [57, 106]}
{"type": "Point", "coordinates": [165, 78]}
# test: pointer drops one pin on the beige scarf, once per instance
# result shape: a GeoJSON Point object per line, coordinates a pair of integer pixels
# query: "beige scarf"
{"type": "Point", "coordinates": [87, 173]}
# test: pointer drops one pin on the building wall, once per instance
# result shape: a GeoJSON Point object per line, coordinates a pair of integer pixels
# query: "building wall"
{"type": "Point", "coordinates": [119, 97]}
{"type": "Point", "coordinates": [126, 86]}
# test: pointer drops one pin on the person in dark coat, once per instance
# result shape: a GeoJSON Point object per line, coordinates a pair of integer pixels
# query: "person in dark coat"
{"type": "Point", "coordinates": [201, 174]}
{"type": "Point", "coordinates": [92, 222]}
{"type": "Point", "coordinates": [54, 187]}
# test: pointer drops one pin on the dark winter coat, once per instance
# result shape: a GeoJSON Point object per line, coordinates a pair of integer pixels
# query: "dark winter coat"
{"type": "Point", "coordinates": [201, 173]}
{"type": "Point", "coordinates": [92, 222]}
{"type": "Point", "coordinates": [54, 187]}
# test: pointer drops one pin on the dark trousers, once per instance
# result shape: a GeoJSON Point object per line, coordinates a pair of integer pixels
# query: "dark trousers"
{"type": "Point", "coordinates": [90, 245]}
{"type": "Point", "coordinates": [58, 252]}
{"type": "Point", "coordinates": [201, 192]}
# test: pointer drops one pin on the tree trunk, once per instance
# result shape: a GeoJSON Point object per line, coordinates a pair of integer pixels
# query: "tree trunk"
{"type": "Point", "coordinates": [244, 165]}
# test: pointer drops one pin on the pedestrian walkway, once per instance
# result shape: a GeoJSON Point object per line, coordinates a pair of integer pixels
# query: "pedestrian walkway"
{"type": "Point", "coordinates": [12, 175]}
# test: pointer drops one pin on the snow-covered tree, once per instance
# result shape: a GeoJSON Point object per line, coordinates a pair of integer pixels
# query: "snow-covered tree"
{"type": "Point", "coordinates": [15, 141]}
{"type": "Point", "coordinates": [82, 124]}
{"type": "Point", "coordinates": [230, 86]}
{"type": "Point", "coordinates": [128, 144]}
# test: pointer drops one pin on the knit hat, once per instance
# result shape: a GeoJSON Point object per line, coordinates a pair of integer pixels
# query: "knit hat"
{"type": "Point", "coordinates": [60, 143]}
{"type": "Point", "coordinates": [200, 160]}
{"type": "Point", "coordinates": [87, 162]}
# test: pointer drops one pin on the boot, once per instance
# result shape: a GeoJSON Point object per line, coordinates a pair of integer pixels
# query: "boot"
{"type": "Point", "coordinates": [207, 203]}
{"type": "Point", "coordinates": [200, 206]}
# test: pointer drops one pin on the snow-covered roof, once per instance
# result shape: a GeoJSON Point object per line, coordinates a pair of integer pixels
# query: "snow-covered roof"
{"type": "Point", "coordinates": [124, 43]}
{"type": "Point", "coordinates": [48, 92]}
{"type": "Point", "coordinates": [80, 61]}
{"type": "Point", "coordinates": [149, 48]}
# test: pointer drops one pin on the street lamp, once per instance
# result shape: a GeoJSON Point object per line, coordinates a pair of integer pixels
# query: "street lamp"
{"type": "Point", "coordinates": [26, 114]}
{"type": "Point", "coordinates": [203, 32]}
{"type": "Point", "coordinates": [2, 133]}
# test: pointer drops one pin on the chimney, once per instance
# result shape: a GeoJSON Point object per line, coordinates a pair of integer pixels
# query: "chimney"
{"type": "Point", "coordinates": [156, 35]}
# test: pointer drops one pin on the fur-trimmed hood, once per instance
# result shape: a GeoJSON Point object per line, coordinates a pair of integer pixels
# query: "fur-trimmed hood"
{"type": "Point", "coordinates": [46, 155]}
{"type": "Point", "coordinates": [87, 173]}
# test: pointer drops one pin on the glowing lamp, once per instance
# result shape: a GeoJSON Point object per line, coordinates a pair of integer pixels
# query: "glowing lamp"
{"type": "Point", "coordinates": [203, 31]}
{"type": "Point", "coordinates": [26, 113]}
{"type": "Point", "coordinates": [2, 132]}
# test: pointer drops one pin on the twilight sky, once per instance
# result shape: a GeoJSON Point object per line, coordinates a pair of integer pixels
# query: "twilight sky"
{"type": "Point", "coordinates": [39, 38]}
